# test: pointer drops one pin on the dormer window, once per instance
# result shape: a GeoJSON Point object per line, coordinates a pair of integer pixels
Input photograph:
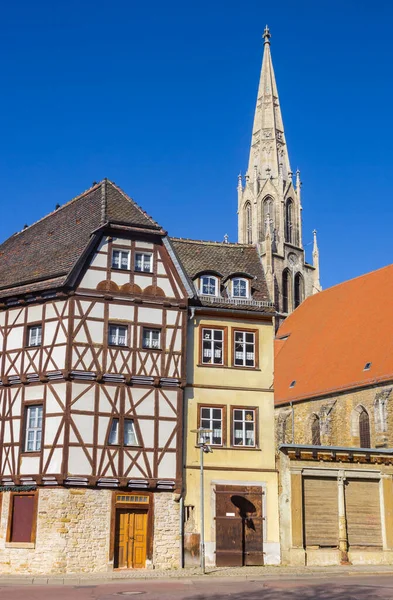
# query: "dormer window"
{"type": "Point", "coordinates": [208, 285]}
{"type": "Point", "coordinates": [240, 287]}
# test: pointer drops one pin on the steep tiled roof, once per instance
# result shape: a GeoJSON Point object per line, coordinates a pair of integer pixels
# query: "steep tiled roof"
{"type": "Point", "coordinates": [226, 260]}
{"type": "Point", "coordinates": [48, 249]}
{"type": "Point", "coordinates": [327, 341]}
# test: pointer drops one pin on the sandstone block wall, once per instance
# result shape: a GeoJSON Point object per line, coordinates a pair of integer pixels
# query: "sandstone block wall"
{"type": "Point", "coordinates": [166, 547]}
{"type": "Point", "coordinates": [73, 531]}
{"type": "Point", "coordinates": [339, 418]}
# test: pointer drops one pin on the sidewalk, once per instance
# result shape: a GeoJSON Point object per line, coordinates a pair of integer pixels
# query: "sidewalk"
{"type": "Point", "coordinates": [239, 573]}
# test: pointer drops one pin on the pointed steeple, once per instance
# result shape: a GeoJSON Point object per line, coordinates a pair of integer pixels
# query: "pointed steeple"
{"type": "Point", "coordinates": [268, 152]}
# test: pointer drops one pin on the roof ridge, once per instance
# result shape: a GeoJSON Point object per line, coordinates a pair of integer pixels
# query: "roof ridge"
{"type": "Point", "coordinates": [93, 187]}
{"type": "Point", "coordinates": [233, 244]}
{"type": "Point", "coordinates": [127, 197]}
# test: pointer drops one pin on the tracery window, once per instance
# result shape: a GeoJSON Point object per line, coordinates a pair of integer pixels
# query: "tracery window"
{"type": "Point", "coordinates": [299, 290]}
{"type": "Point", "coordinates": [286, 282]}
{"type": "Point", "coordinates": [289, 237]}
{"type": "Point", "coordinates": [315, 431]}
{"type": "Point", "coordinates": [248, 219]}
{"type": "Point", "coordinates": [364, 429]}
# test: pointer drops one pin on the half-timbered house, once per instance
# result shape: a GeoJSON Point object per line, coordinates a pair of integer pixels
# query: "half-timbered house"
{"type": "Point", "coordinates": [229, 392]}
{"type": "Point", "coordinates": [92, 329]}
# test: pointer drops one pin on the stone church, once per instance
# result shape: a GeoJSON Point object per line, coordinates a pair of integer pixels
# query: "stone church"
{"type": "Point", "coordinates": [269, 203]}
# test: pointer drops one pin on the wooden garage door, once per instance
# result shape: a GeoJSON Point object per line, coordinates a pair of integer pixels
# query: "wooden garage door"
{"type": "Point", "coordinates": [320, 511]}
{"type": "Point", "coordinates": [363, 512]}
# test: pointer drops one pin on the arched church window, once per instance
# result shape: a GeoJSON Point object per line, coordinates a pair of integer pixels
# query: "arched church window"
{"type": "Point", "coordinates": [286, 283]}
{"type": "Point", "coordinates": [364, 429]}
{"type": "Point", "coordinates": [289, 232]}
{"type": "Point", "coordinates": [299, 291]}
{"type": "Point", "coordinates": [248, 218]}
{"type": "Point", "coordinates": [267, 215]}
{"type": "Point", "coordinates": [315, 431]}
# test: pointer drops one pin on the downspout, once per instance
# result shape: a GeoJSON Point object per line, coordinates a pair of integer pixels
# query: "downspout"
{"type": "Point", "coordinates": [293, 422]}
{"type": "Point", "coordinates": [181, 531]}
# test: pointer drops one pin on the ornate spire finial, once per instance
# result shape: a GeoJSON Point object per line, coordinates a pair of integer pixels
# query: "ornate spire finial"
{"type": "Point", "coordinates": [226, 238]}
{"type": "Point", "coordinates": [266, 35]}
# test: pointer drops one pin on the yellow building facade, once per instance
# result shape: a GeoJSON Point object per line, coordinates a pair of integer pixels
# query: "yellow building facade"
{"type": "Point", "coordinates": [229, 391]}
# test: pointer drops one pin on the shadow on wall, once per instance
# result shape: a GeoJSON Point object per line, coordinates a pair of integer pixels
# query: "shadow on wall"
{"type": "Point", "coordinates": [289, 590]}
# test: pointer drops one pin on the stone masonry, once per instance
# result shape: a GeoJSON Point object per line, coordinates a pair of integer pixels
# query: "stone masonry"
{"type": "Point", "coordinates": [339, 418]}
{"type": "Point", "coordinates": [166, 552]}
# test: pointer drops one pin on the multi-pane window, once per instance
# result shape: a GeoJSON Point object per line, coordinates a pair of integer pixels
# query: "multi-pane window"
{"type": "Point", "coordinates": [212, 346]}
{"type": "Point", "coordinates": [129, 435]}
{"type": "Point", "coordinates": [121, 259]}
{"type": "Point", "coordinates": [211, 418]}
{"type": "Point", "coordinates": [34, 335]}
{"type": "Point", "coordinates": [208, 285]}
{"type": "Point", "coordinates": [33, 436]}
{"type": "Point", "coordinates": [151, 338]}
{"type": "Point", "coordinates": [117, 335]}
{"type": "Point", "coordinates": [239, 288]}
{"type": "Point", "coordinates": [244, 349]}
{"type": "Point", "coordinates": [143, 262]}
{"type": "Point", "coordinates": [243, 427]}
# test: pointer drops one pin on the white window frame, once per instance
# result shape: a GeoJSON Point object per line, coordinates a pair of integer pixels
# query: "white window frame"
{"type": "Point", "coordinates": [114, 331]}
{"type": "Point", "coordinates": [148, 341]}
{"type": "Point", "coordinates": [122, 254]}
{"type": "Point", "coordinates": [146, 262]}
{"type": "Point", "coordinates": [243, 438]}
{"type": "Point", "coordinates": [34, 335]}
{"type": "Point", "coordinates": [244, 352]}
{"type": "Point", "coordinates": [243, 280]}
{"type": "Point", "coordinates": [33, 428]}
{"type": "Point", "coordinates": [211, 279]}
{"type": "Point", "coordinates": [114, 433]}
{"type": "Point", "coordinates": [214, 346]}
{"type": "Point", "coordinates": [208, 423]}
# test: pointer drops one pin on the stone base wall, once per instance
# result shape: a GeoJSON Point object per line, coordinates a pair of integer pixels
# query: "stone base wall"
{"type": "Point", "coordinates": [74, 530]}
{"type": "Point", "coordinates": [166, 546]}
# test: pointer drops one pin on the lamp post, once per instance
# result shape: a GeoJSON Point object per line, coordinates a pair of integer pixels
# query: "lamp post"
{"type": "Point", "coordinates": [202, 441]}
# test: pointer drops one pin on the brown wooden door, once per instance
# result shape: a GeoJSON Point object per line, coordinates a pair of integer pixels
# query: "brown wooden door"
{"type": "Point", "coordinates": [239, 526]}
{"type": "Point", "coordinates": [130, 539]}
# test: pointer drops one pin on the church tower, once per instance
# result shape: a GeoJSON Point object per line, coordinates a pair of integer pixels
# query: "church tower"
{"type": "Point", "coordinates": [269, 202]}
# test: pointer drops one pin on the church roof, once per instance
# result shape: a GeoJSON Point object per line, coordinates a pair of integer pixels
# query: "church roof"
{"type": "Point", "coordinates": [41, 256]}
{"type": "Point", "coordinates": [227, 260]}
{"type": "Point", "coordinates": [325, 345]}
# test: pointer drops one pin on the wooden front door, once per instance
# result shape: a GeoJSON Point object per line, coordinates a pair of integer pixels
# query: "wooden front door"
{"type": "Point", "coordinates": [239, 526]}
{"type": "Point", "coordinates": [130, 539]}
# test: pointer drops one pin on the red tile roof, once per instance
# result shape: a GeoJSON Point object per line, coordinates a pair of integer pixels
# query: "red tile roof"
{"type": "Point", "coordinates": [326, 342]}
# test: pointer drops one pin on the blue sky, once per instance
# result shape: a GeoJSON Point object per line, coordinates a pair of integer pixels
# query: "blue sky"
{"type": "Point", "coordinates": [159, 97]}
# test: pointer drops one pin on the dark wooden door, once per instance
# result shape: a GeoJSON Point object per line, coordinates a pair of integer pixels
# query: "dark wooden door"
{"type": "Point", "coordinates": [239, 526]}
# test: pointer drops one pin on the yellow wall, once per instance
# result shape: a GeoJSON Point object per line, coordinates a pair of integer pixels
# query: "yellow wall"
{"type": "Point", "coordinates": [232, 386]}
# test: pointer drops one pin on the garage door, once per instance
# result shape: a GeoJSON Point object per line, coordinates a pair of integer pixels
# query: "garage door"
{"type": "Point", "coordinates": [320, 511]}
{"type": "Point", "coordinates": [363, 510]}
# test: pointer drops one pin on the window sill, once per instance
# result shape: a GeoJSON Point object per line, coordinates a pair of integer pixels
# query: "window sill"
{"type": "Point", "coordinates": [20, 545]}
{"type": "Point", "coordinates": [118, 346]}
{"type": "Point", "coordinates": [153, 349]}
{"type": "Point", "coordinates": [115, 269]}
{"type": "Point", "coordinates": [228, 367]}
{"type": "Point", "coordinates": [34, 454]}
{"type": "Point", "coordinates": [214, 448]}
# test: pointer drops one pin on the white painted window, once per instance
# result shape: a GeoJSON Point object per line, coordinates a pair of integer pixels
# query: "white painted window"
{"type": "Point", "coordinates": [244, 349]}
{"type": "Point", "coordinates": [211, 418]}
{"type": "Point", "coordinates": [121, 259]}
{"type": "Point", "coordinates": [208, 285]}
{"type": "Point", "coordinates": [129, 436]}
{"type": "Point", "coordinates": [243, 427]}
{"type": "Point", "coordinates": [117, 335]}
{"type": "Point", "coordinates": [34, 335]}
{"type": "Point", "coordinates": [33, 434]}
{"type": "Point", "coordinates": [151, 338]}
{"type": "Point", "coordinates": [240, 288]}
{"type": "Point", "coordinates": [212, 346]}
{"type": "Point", "coordinates": [143, 262]}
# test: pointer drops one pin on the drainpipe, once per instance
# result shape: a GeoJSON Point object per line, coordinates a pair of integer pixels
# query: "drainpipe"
{"type": "Point", "coordinates": [182, 531]}
{"type": "Point", "coordinates": [293, 422]}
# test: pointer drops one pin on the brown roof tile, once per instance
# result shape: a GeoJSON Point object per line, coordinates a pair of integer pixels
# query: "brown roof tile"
{"type": "Point", "coordinates": [227, 260]}
{"type": "Point", "coordinates": [50, 247]}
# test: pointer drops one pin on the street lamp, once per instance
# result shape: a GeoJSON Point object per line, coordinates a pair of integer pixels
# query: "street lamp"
{"type": "Point", "coordinates": [203, 443]}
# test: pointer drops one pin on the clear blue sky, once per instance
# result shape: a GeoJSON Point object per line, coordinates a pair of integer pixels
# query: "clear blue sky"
{"type": "Point", "coordinates": [159, 97]}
